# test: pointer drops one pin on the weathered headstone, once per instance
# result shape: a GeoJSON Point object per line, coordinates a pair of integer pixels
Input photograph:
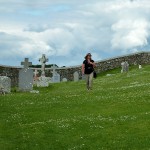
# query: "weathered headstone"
{"type": "Point", "coordinates": [56, 76]}
{"type": "Point", "coordinates": [76, 76]}
{"type": "Point", "coordinates": [5, 84]}
{"type": "Point", "coordinates": [26, 77]}
{"type": "Point", "coordinates": [64, 80]}
{"type": "Point", "coordinates": [125, 67]}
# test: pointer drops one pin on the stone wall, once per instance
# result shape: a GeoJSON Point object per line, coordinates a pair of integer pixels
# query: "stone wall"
{"type": "Point", "coordinates": [109, 64]}
{"type": "Point", "coordinates": [12, 73]}
{"type": "Point", "coordinates": [67, 72]}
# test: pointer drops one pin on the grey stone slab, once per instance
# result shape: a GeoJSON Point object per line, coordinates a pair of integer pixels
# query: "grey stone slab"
{"type": "Point", "coordinates": [25, 79]}
{"type": "Point", "coordinates": [56, 78]}
{"type": "Point", "coordinates": [125, 67]}
{"type": "Point", "coordinates": [76, 76]}
{"type": "Point", "coordinates": [5, 84]}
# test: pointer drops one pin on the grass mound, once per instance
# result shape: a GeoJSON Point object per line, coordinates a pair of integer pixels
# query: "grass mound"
{"type": "Point", "coordinates": [64, 116]}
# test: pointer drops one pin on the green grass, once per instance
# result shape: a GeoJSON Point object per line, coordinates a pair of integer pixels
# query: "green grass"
{"type": "Point", "coordinates": [114, 116]}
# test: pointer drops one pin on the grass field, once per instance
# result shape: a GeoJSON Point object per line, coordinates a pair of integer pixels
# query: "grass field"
{"type": "Point", "coordinates": [64, 116]}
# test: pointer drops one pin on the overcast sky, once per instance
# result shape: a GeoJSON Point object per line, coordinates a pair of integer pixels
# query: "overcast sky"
{"type": "Point", "coordinates": [65, 30]}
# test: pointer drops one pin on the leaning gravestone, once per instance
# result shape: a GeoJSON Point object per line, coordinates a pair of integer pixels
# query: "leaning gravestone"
{"type": "Point", "coordinates": [76, 76]}
{"type": "Point", "coordinates": [5, 84]}
{"type": "Point", "coordinates": [125, 67]}
{"type": "Point", "coordinates": [26, 77]}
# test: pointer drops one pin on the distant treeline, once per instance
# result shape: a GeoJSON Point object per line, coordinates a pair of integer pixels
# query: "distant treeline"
{"type": "Point", "coordinates": [46, 66]}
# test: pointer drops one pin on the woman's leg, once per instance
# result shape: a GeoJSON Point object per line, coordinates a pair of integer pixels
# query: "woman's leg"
{"type": "Point", "coordinates": [87, 80]}
{"type": "Point", "coordinates": [91, 80]}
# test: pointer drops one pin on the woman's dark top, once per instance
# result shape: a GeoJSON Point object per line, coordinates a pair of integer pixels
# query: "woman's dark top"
{"type": "Point", "coordinates": [88, 67]}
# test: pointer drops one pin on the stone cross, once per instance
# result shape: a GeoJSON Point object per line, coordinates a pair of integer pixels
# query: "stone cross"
{"type": "Point", "coordinates": [43, 61]}
{"type": "Point", "coordinates": [26, 76]}
{"type": "Point", "coordinates": [26, 63]}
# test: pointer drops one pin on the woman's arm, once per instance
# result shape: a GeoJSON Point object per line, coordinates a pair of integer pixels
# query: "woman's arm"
{"type": "Point", "coordinates": [93, 63]}
{"type": "Point", "coordinates": [83, 68]}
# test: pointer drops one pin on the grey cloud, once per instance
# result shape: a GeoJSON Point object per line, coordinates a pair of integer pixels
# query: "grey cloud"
{"type": "Point", "coordinates": [10, 45]}
{"type": "Point", "coordinates": [106, 28]}
{"type": "Point", "coordinates": [37, 28]}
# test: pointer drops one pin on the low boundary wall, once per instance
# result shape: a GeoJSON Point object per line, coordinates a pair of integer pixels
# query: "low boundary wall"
{"type": "Point", "coordinates": [67, 72]}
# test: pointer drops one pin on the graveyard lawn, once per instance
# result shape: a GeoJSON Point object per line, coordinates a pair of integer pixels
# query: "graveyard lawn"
{"type": "Point", "coordinates": [115, 115]}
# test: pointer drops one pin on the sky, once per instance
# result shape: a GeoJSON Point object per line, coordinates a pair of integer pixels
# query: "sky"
{"type": "Point", "coordinates": [65, 30]}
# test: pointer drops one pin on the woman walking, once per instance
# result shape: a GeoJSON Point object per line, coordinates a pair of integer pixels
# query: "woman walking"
{"type": "Point", "coordinates": [88, 69]}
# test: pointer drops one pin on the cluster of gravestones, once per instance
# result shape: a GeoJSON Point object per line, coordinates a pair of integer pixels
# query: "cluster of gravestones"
{"type": "Point", "coordinates": [125, 67]}
{"type": "Point", "coordinates": [27, 77]}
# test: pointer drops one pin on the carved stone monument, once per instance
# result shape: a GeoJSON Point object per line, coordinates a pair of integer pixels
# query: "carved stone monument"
{"type": "Point", "coordinates": [43, 81]}
{"type": "Point", "coordinates": [43, 61]}
{"type": "Point", "coordinates": [26, 76]}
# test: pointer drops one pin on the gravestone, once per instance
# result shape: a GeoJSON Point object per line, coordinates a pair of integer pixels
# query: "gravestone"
{"type": "Point", "coordinates": [43, 61]}
{"type": "Point", "coordinates": [125, 67]}
{"type": "Point", "coordinates": [140, 66]}
{"type": "Point", "coordinates": [56, 76]}
{"type": "Point", "coordinates": [64, 80]}
{"type": "Point", "coordinates": [5, 84]}
{"type": "Point", "coordinates": [43, 81]}
{"type": "Point", "coordinates": [26, 77]}
{"type": "Point", "coordinates": [76, 76]}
